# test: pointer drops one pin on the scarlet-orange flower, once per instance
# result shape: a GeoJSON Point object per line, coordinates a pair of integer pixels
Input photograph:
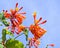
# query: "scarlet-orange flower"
{"type": "Point", "coordinates": [35, 29]}
{"type": "Point", "coordinates": [33, 42]}
{"type": "Point", "coordinates": [15, 17]}
{"type": "Point", "coordinates": [51, 45]}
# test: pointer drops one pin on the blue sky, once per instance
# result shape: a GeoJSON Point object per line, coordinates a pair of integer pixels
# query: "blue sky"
{"type": "Point", "coordinates": [48, 9]}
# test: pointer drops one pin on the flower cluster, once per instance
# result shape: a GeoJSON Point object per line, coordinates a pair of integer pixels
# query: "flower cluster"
{"type": "Point", "coordinates": [16, 19]}
{"type": "Point", "coordinates": [36, 30]}
{"type": "Point", "coordinates": [15, 26]}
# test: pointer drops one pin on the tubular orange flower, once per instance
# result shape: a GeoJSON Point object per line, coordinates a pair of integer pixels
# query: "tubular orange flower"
{"type": "Point", "coordinates": [51, 45]}
{"type": "Point", "coordinates": [6, 14]}
{"type": "Point", "coordinates": [33, 42]}
{"type": "Point", "coordinates": [20, 29]}
{"type": "Point", "coordinates": [35, 29]}
{"type": "Point", "coordinates": [15, 17]}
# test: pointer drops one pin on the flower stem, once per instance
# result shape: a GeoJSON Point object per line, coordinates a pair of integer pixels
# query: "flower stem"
{"type": "Point", "coordinates": [47, 46]}
{"type": "Point", "coordinates": [18, 35]}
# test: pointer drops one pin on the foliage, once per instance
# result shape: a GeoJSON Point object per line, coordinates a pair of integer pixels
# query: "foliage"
{"type": "Point", "coordinates": [12, 43]}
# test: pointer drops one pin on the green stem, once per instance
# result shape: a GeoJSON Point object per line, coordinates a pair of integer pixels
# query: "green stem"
{"type": "Point", "coordinates": [18, 35]}
{"type": "Point", "coordinates": [26, 45]}
{"type": "Point", "coordinates": [47, 46]}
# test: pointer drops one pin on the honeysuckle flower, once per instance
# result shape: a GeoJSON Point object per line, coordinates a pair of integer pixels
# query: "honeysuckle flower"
{"type": "Point", "coordinates": [52, 45]}
{"type": "Point", "coordinates": [35, 29]}
{"type": "Point", "coordinates": [33, 42]}
{"type": "Point", "coordinates": [20, 29]}
{"type": "Point", "coordinates": [16, 18]}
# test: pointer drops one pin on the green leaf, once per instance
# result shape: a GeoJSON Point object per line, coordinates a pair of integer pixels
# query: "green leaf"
{"type": "Point", "coordinates": [3, 19]}
{"type": "Point", "coordinates": [26, 33]}
{"type": "Point", "coordinates": [1, 46]}
{"type": "Point", "coordinates": [12, 43]}
{"type": "Point", "coordinates": [1, 15]}
{"type": "Point", "coordinates": [3, 35]}
{"type": "Point", "coordinates": [5, 22]}
{"type": "Point", "coordinates": [9, 33]}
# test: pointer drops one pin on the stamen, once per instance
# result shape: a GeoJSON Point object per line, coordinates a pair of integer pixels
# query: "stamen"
{"type": "Point", "coordinates": [23, 13]}
{"type": "Point", "coordinates": [40, 19]}
{"type": "Point", "coordinates": [6, 11]}
{"type": "Point", "coordinates": [16, 4]}
{"type": "Point", "coordinates": [20, 8]}
{"type": "Point", "coordinates": [44, 22]}
{"type": "Point", "coordinates": [3, 10]}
